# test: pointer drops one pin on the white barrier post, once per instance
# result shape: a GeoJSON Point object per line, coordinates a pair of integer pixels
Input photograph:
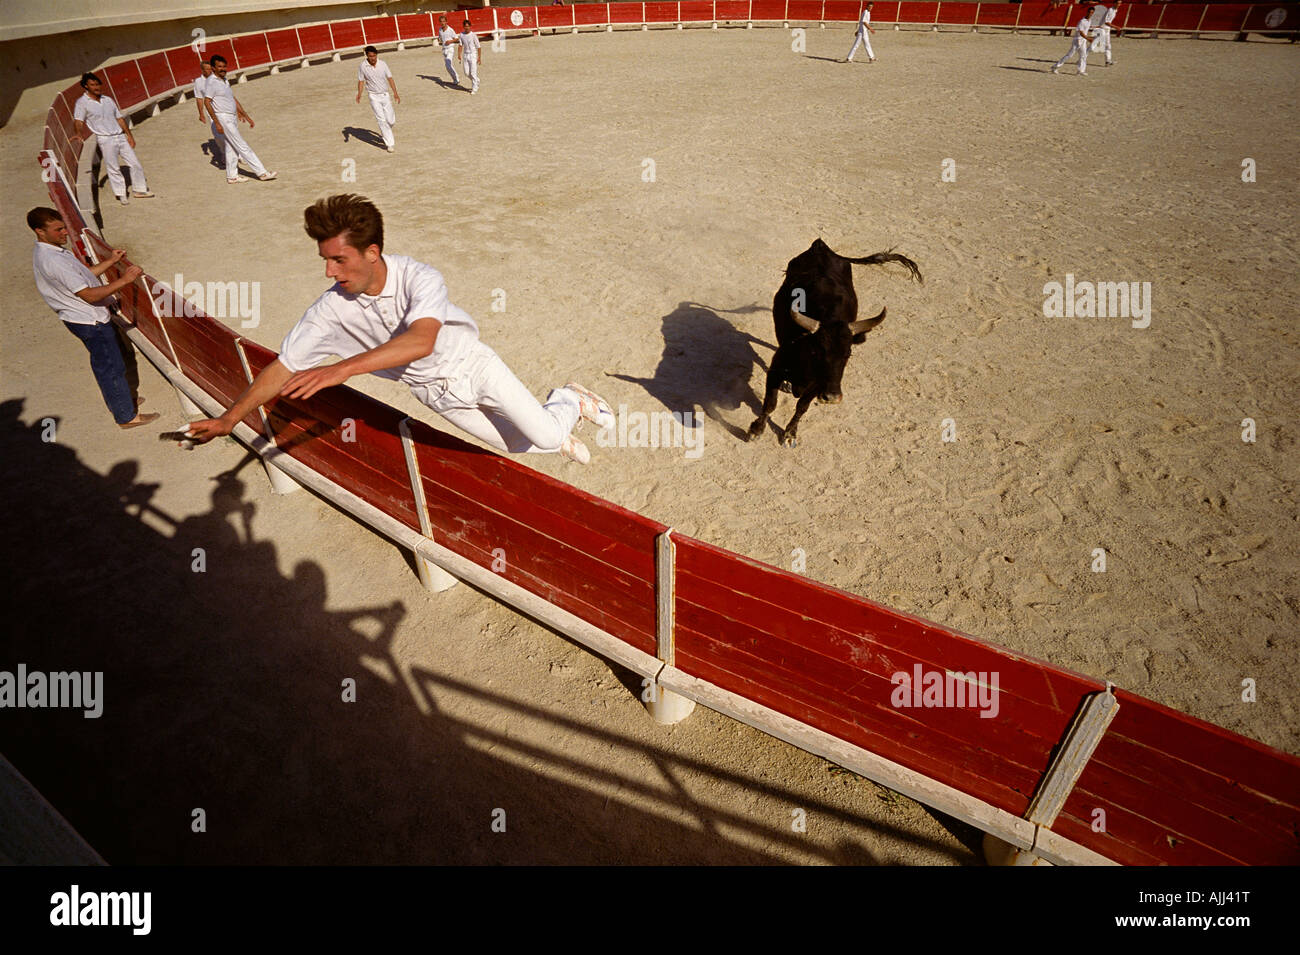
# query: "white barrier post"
{"type": "Point", "coordinates": [281, 483]}
{"type": "Point", "coordinates": [665, 706]}
{"type": "Point", "coordinates": [1077, 747]}
{"type": "Point", "coordinates": [433, 577]}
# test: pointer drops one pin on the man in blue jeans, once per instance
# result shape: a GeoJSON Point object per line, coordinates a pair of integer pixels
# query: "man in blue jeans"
{"type": "Point", "coordinates": [75, 293]}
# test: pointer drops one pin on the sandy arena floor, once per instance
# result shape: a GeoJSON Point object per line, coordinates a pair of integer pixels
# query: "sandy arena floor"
{"type": "Point", "coordinates": [1072, 433]}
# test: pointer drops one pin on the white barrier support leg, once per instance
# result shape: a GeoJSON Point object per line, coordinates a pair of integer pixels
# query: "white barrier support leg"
{"type": "Point", "coordinates": [665, 706]}
{"type": "Point", "coordinates": [281, 483]}
{"type": "Point", "coordinates": [999, 853]}
{"type": "Point", "coordinates": [433, 577]}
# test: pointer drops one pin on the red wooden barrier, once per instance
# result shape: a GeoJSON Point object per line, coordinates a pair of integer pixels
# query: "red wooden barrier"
{"type": "Point", "coordinates": [347, 35]}
{"type": "Point", "coordinates": [767, 10]}
{"type": "Point", "coordinates": [126, 86]}
{"type": "Point", "coordinates": [841, 11]}
{"type": "Point", "coordinates": [379, 30]}
{"type": "Point", "coordinates": [1224, 17]}
{"type": "Point", "coordinates": [731, 11]}
{"type": "Point", "coordinates": [416, 26]}
{"type": "Point", "coordinates": [805, 10]}
{"type": "Point", "coordinates": [1270, 17]}
{"type": "Point", "coordinates": [1180, 791]}
{"type": "Point", "coordinates": [224, 48]}
{"type": "Point", "coordinates": [1181, 16]}
{"type": "Point", "coordinates": [918, 12]}
{"type": "Point", "coordinates": [283, 45]}
{"type": "Point", "coordinates": [252, 50]}
{"type": "Point", "coordinates": [1040, 15]}
{"type": "Point", "coordinates": [1140, 17]}
{"type": "Point", "coordinates": [624, 12]}
{"type": "Point", "coordinates": [157, 74]}
{"type": "Point", "coordinates": [557, 17]}
{"type": "Point", "coordinates": [506, 18]}
{"type": "Point", "coordinates": [480, 20]}
{"type": "Point", "coordinates": [316, 39]}
{"type": "Point", "coordinates": [827, 658]}
{"type": "Point", "coordinates": [884, 13]}
{"type": "Point", "coordinates": [588, 14]}
{"type": "Point", "coordinates": [998, 14]}
{"type": "Point", "coordinates": [588, 556]}
{"type": "Point", "coordinates": [661, 12]}
{"type": "Point", "coordinates": [184, 64]}
{"type": "Point", "coordinates": [954, 14]}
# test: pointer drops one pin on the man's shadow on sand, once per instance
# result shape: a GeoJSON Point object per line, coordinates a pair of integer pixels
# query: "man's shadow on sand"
{"type": "Point", "coordinates": [367, 136]}
{"type": "Point", "coordinates": [445, 84]}
{"type": "Point", "coordinates": [216, 155]}
{"type": "Point", "coordinates": [706, 362]}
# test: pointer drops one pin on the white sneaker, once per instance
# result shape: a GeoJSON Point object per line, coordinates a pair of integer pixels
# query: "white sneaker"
{"type": "Point", "coordinates": [125, 200]}
{"type": "Point", "coordinates": [267, 176]}
{"type": "Point", "coordinates": [575, 450]}
{"type": "Point", "coordinates": [391, 149]}
{"type": "Point", "coordinates": [593, 407]}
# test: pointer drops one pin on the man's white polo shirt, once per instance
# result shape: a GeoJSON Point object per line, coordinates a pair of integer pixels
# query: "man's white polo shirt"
{"type": "Point", "coordinates": [345, 325]}
{"type": "Point", "coordinates": [375, 76]}
{"type": "Point", "coordinates": [100, 116]}
{"type": "Point", "coordinates": [200, 86]}
{"type": "Point", "coordinates": [59, 277]}
{"type": "Point", "coordinates": [218, 90]}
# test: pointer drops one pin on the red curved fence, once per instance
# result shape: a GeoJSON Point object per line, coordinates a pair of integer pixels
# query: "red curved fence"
{"type": "Point", "coordinates": [1171, 789]}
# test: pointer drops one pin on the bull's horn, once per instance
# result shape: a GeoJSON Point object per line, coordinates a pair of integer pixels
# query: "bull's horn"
{"type": "Point", "coordinates": [804, 322]}
{"type": "Point", "coordinates": [866, 324]}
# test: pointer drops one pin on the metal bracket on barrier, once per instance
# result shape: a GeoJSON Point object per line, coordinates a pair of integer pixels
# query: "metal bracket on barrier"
{"type": "Point", "coordinates": [1077, 747]}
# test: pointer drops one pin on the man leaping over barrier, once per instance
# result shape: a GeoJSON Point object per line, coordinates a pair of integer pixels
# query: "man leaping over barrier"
{"type": "Point", "coordinates": [390, 315]}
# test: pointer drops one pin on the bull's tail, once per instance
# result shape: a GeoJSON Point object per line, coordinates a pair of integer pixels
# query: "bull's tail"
{"type": "Point", "coordinates": [881, 258]}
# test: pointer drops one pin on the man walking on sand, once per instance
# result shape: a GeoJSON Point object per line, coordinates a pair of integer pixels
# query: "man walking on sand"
{"type": "Point", "coordinates": [371, 77]}
{"type": "Point", "coordinates": [469, 47]}
{"type": "Point", "coordinates": [447, 37]}
{"type": "Point", "coordinates": [1079, 41]}
{"type": "Point", "coordinates": [860, 38]}
{"type": "Point", "coordinates": [226, 113]}
{"type": "Point", "coordinates": [76, 294]}
{"type": "Point", "coordinates": [390, 315]}
{"type": "Point", "coordinates": [98, 114]}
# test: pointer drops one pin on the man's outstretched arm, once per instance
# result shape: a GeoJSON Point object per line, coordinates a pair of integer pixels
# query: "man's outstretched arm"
{"type": "Point", "coordinates": [413, 344]}
{"type": "Point", "coordinates": [264, 387]}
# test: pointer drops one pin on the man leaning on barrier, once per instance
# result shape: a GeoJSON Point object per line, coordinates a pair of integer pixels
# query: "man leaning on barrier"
{"type": "Point", "coordinates": [76, 294]}
{"type": "Point", "coordinates": [389, 315]}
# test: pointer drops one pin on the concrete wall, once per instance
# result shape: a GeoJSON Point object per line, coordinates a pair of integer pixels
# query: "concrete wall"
{"type": "Point", "coordinates": [35, 65]}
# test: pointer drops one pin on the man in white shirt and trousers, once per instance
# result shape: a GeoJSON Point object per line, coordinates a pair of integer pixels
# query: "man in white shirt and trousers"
{"type": "Point", "coordinates": [98, 114]}
{"type": "Point", "coordinates": [469, 47]}
{"type": "Point", "coordinates": [76, 294]}
{"type": "Point", "coordinates": [1079, 41]}
{"type": "Point", "coordinates": [226, 113]}
{"type": "Point", "coordinates": [447, 37]}
{"type": "Point", "coordinates": [391, 316]}
{"type": "Point", "coordinates": [371, 77]}
{"type": "Point", "coordinates": [1102, 43]}
{"type": "Point", "coordinates": [864, 27]}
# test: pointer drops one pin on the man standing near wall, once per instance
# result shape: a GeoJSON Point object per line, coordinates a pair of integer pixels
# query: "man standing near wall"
{"type": "Point", "coordinates": [864, 27]}
{"type": "Point", "coordinates": [76, 294]}
{"type": "Point", "coordinates": [200, 94]}
{"type": "Point", "coordinates": [98, 114]}
{"type": "Point", "coordinates": [371, 77]}
{"type": "Point", "coordinates": [226, 113]}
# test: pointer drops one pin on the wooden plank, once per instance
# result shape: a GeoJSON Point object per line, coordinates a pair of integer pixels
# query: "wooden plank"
{"type": "Point", "coordinates": [347, 34]}
{"type": "Point", "coordinates": [415, 26]}
{"type": "Point", "coordinates": [252, 50]}
{"type": "Point", "coordinates": [379, 30]}
{"type": "Point", "coordinates": [315, 39]}
{"type": "Point", "coordinates": [157, 74]}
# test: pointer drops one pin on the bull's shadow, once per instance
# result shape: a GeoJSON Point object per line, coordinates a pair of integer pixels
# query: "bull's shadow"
{"type": "Point", "coordinates": [706, 363]}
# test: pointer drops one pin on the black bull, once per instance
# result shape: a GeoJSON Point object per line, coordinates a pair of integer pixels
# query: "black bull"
{"type": "Point", "coordinates": [816, 312]}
